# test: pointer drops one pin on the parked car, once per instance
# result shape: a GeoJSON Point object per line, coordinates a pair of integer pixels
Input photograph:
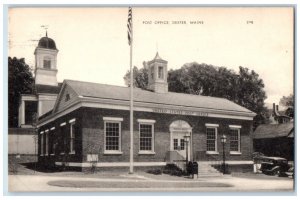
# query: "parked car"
{"type": "Point", "coordinates": [276, 166]}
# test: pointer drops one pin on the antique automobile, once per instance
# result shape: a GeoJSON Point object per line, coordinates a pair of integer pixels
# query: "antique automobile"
{"type": "Point", "coordinates": [275, 166]}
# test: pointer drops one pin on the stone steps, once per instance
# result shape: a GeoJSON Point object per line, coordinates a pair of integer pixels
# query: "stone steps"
{"type": "Point", "coordinates": [206, 170]}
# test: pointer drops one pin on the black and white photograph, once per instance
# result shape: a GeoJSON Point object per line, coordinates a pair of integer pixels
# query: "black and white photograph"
{"type": "Point", "coordinates": [151, 99]}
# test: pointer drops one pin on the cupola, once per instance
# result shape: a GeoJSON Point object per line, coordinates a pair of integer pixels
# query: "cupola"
{"type": "Point", "coordinates": [45, 62]}
{"type": "Point", "coordinates": [158, 75]}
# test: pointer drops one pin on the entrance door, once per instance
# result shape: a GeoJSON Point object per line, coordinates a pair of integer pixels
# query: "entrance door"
{"type": "Point", "coordinates": [180, 129]}
{"type": "Point", "coordinates": [179, 144]}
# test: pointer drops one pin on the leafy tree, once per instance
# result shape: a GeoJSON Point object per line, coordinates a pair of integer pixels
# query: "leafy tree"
{"type": "Point", "coordinates": [250, 91]}
{"type": "Point", "coordinates": [140, 77]}
{"type": "Point", "coordinates": [20, 81]}
{"type": "Point", "coordinates": [288, 102]}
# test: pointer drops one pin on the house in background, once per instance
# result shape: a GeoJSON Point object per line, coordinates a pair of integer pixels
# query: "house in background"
{"type": "Point", "coordinates": [46, 85]}
{"type": "Point", "coordinates": [23, 140]}
{"type": "Point", "coordinates": [276, 138]}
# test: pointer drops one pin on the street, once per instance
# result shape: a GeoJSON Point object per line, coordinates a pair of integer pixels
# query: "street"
{"type": "Point", "coordinates": [147, 183]}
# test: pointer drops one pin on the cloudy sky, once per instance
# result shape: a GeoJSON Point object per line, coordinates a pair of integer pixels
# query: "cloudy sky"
{"type": "Point", "coordinates": [93, 44]}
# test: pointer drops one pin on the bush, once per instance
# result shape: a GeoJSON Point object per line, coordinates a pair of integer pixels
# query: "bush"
{"type": "Point", "coordinates": [154, 171]}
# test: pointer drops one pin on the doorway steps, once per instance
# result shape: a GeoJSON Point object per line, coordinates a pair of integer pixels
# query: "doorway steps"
{"type": "Point", "coordinates": [205, 169]}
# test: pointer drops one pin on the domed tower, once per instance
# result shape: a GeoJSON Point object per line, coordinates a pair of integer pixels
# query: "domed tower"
{"type": "Point", "coordinates": [45, 62]}
{"type": "Point", "coordinates": [158, 75]}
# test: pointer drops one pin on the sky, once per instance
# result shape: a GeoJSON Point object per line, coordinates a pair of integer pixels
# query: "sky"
{"type": "Point", "coordinates": [93, 45]}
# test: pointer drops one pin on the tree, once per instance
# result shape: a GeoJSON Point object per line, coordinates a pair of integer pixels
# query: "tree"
{"type": "Point", "coordinates": [140, 77]}
{"type": "Point", "coordinates": [20, 81]}
{"type": "Point", "coordinates": [288, 102]}
{"type": "Point", "coordinates": [250, 92]}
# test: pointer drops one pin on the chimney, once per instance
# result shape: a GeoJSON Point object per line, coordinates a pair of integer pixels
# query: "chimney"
{"type": "Point", "coordinates": [275, 112]}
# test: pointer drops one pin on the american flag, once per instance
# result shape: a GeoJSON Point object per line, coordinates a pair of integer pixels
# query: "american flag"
{"type": "Point", "coordinates": [129, 26]}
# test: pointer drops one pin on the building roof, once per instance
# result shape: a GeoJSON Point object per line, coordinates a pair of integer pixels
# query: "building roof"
{"type": "Point", "coordinates": [47, 43]}
{"type": "Point", "coordinates": [49, 89]}
{"type": "Point", "coordinates": [157, 58]}
{"type": "Point", "coordinates": [76, 94]}
{"type": "Point", "coordinates": [274, 130]}
{"type": "Point", "coordinates": [96, 90]}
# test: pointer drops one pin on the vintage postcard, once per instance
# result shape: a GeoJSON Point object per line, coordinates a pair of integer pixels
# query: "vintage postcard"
{"type": "Point", "coordinates": [151, 99]}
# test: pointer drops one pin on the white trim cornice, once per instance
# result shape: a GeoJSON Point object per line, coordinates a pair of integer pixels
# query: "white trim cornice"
{"type": "Point", "coordinates": [47, 97]}
{"type": "Point", "coordinates": [150, 121]}
{"type": "Point", "coordinates": [117, 119]}
{"type": "Point", "coordinates": [211, 125]}
{"type": "Point", "coordinates": [235, 126]}
{"type": "Point", "coordinates": [72, 120]}
{"type": "Point", "coordinates": [27, 97]}
{"type": "Point", "coordinates": [144, 107]}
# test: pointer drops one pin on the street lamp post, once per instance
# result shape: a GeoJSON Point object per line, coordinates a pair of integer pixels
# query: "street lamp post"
{"type": "Point", "coordinates": [186, 140]}
{"type": "Point", "coordinates": [223, 140]}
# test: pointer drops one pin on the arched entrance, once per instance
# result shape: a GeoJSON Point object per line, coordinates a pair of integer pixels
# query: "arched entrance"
{"type": "Point", "coordinates": [180, 131]}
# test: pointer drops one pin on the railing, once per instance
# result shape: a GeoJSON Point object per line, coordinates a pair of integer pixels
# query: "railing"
{"type": "Point", "coordinates": [175, 158]}
{"type": "Point", "coordinates": [181, 164]}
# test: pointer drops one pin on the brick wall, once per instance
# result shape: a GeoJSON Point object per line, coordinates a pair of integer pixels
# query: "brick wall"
{"type": "Point", "coordinates": [89, 136]}
{"type": "Point", "coordinates": [58, 136]}
{"type": "Point", "coordinates": [246, 135]}
{"type": "Point", "coordinates": [93, 135]}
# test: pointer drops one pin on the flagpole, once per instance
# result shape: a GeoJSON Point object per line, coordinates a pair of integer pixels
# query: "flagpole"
{"type": "Point", "coordinates": [131, 102]}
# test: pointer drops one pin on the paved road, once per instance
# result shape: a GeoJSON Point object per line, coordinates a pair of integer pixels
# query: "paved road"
{"type": "Point", "coordinates": [39, 183]}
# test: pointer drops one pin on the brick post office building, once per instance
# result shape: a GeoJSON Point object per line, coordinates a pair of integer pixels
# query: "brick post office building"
{"type": "Point", "coordinates": [90, 123]}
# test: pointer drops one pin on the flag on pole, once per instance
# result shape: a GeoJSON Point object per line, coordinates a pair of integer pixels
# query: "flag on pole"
{"type": "Point", "coordinates": [129, 26]}
{"type": "Point", "coordinates": [130, 41]}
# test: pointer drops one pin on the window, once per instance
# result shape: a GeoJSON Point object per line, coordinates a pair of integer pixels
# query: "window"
{"type": "Point", "coordinates": [112, 132]}
{"type": "Point", "coordinates": [182, 144]}
{"type": "Point", "coordinates": [72, 136]}
{"type": "Point", "coordinates": [146, 137]}
{"type": "Point", "coordinates": [235, 140]}
{"type": "Point", "coordinates": [42, 143]}
{"type": "Point", "coordinates": [178, 146]}
{"type": "Point", "coordinates": [112, 127]}
{"type": "Point", "coordinates": [160, 72]}
{"type": "Point", "coordinates": [47, 64]}
{"type": "Point", "coordinates": [62, 140]}
{"type": "Point", "coordinates": [67, 97]}
{"type": "Point", "coordinates": [146, 128]}
{"type": "Point", "coordinates": [47, 141]}
{"type": "Point", "coordinates": [51, 141]}
{"type": "Point", "coordinates": [211, 137]}
{"type": "Point", "coordinates": [175, 144]}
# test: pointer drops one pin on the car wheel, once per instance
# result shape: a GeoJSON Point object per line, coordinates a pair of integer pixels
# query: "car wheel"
{"type": "Point", "coordinates": [276, 173]}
